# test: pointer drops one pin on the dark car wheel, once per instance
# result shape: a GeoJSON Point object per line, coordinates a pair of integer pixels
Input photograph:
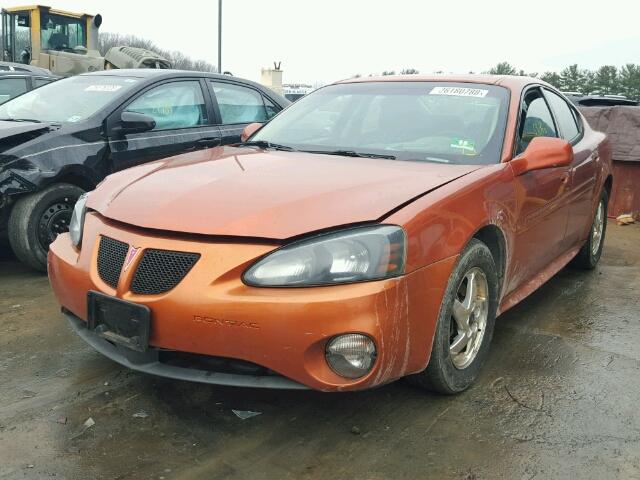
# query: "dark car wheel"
{"type": "Point", "coordinates": [37, 219]}
{"type": "Point", "coordinates": [590, 253]}
{"type": "Point", "coordinates": [465, 324]}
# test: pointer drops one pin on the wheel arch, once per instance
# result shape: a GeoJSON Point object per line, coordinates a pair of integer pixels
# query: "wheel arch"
{"type": "Point", "coordinates": [441, 224]}
{"type": "Point", "coordinates": [76, 175]}
{"type": "Point", "coordinates": [493, 237]}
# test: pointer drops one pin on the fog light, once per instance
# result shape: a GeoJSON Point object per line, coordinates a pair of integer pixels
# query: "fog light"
{"type": "Point", "coordinates": [351, 355]}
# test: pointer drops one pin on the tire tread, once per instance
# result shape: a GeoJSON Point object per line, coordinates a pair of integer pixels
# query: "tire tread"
{"type": "Point", "coordinates": [434, 377]}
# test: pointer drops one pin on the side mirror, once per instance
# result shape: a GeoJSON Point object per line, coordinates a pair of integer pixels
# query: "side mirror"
{"type": "Point", "coordinates": [133, 122]}
{"type": "Point", "coordinates": [541, 153]}
{"type": "Point", "coordinates": [250, 130]}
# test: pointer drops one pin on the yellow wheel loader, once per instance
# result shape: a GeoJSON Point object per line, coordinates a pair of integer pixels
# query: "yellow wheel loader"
{"type": "Point", "coordinates": [65, 42]}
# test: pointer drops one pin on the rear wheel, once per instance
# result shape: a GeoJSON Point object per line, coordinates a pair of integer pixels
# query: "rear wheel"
{"type": "Point", "coordinates": [37, 219]}
{"type": "Point", "coordinates": [465, 324]}
{"type": "Point", "coordinates": [590, 253]}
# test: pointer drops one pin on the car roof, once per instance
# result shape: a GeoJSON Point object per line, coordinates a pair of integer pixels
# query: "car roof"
{"type": "Point", "coordinates": [157, 73]}
{"type": "Point", "coordinates": [605, 101]}
{"type": "Point", "coordinates": [515, 83]}
{"type": "Point", "coordinates": [12, 67]}
{"type": "Point", "coordinates": [149, 72]}
{"type": "Point", "coordinates": [13, 73]}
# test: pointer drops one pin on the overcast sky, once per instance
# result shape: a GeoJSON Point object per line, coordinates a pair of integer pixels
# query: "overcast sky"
{"type": "Point", "coordinates": [326, 40]}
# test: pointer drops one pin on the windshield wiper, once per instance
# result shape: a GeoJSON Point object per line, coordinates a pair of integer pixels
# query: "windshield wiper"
{"type": "Point", "coordinates": [265, 144]}
{"type": "Point", "coordinates": [351, 153]}
{"type": "Point", "coordinates": [21, 120]}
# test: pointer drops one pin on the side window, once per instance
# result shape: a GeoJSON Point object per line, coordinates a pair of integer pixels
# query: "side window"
{"type": "Point", "coordinates": [38, 82]}
{"type": "Point", "coordinates": [565, 116]}
{"type": "Point", "coordinates": [271, 107]}
{"type": "Point", "coordinates": [239, 104]}
{"type": "Point", "coordinates": [535, 120]}
{"type": "Point", "coordinates": [173, 105]}
{"type": "Point", "coordinates": [11, 87]}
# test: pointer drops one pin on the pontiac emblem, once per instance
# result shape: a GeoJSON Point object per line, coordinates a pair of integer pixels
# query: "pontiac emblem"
{"type": "Point", "coordinates": [131, 255]}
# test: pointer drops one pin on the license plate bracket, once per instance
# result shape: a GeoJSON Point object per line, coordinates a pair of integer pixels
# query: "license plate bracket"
{"type": "Point", "coordinates": [119, 321]}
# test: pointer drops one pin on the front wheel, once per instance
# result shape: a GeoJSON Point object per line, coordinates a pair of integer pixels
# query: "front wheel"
{"type": "Point", "coordinates": [465, 324]}
{"type": "Point", "coordinates": [37, 219]}
{"type": "Point", "coordinates": [590, 253]}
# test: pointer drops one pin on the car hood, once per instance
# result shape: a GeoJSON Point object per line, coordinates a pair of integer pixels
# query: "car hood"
{"type": "Point", "coordinates": [269, 194]}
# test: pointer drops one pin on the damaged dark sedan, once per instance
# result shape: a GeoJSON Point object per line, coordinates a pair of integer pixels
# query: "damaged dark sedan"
{"type": "Point", "coordinates": [62, 139]}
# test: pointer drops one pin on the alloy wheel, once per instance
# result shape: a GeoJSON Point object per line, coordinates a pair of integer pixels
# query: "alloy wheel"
{"type": "Point", "coordinates": [598, 229]}
{"type": "Point", "coordinates": [469, 318]}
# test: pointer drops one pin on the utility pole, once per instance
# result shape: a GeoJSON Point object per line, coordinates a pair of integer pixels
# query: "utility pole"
{"type": "Point", "coordinates": [220, 36]}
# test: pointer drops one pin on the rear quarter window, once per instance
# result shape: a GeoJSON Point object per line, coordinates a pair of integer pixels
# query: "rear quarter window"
{"type": "Point", "coordinates": [239, 104]}
{"type": "Point", "coordinates": [569, 129]}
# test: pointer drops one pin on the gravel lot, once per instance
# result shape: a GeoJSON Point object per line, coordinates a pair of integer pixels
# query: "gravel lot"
{"type": "Point", "coordinates": [558, 399]}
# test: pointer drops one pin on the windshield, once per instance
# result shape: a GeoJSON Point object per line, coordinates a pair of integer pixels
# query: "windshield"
{"type": "Point", "coordinates": [62, 33]}
{"type": "Point", "coordinates": [68, 100]}
{"type": "Point", "coordinates": [442, 122]}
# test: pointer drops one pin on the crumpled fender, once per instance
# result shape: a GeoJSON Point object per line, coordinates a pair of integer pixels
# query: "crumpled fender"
{"type": "Point", "coordinates": [19, 175]}
{"type": "Point", "coordinates": [34, 155]}
{"type": "Point", "coordinates": [12, 183]}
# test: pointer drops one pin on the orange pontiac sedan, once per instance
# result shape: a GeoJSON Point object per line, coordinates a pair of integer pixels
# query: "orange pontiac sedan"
{"type": "Point", "coordinates": [373, 230]}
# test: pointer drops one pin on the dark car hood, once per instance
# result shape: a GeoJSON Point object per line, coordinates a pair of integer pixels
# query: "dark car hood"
{"type": "Point", "coordinates": [14, 133]}
{"type": "Point", "coordinates": [269, 194]}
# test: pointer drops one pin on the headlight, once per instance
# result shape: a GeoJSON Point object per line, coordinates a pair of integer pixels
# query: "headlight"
{"type": "Point", "coordinates": [77, 220]}
{"type": "Point", "coordinates": [354, 255]}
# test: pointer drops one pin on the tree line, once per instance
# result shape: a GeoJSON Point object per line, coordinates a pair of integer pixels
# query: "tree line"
{"type": "Point", "coordinates": [606, 80]}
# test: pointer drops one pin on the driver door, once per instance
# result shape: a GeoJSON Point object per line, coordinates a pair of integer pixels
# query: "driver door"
{"type": "Point", "coordinates": [542, 198]}
{"type": "Point", "coordinates": [183, 116]}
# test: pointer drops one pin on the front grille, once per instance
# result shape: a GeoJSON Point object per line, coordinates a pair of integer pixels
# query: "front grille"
{"type": "Point", "coordinates": [111, 256]}
{"type": "Point", "coordinates": [212, 364]}
{"type": "Point", "coordinates": [161, 270]}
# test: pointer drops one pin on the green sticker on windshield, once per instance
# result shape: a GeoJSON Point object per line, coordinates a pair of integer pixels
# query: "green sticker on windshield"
{"type": "Point", "coordinates": [466, 146]}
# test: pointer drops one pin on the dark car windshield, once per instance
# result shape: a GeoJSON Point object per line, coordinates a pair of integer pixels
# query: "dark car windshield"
{"type": "Point", "coordinates": [445, 122]}
{"type": "Point", "coordinates": [68, 100]}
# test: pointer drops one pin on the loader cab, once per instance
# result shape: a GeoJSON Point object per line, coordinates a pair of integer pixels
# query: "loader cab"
{"type": "Point", "coordinates": [60, 32]}
{"type": "Point", "coordinates": [63, 42]}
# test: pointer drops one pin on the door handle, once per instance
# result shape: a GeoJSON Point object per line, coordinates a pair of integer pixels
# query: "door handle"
{"type": "Point", "coordinates": [564, 178]}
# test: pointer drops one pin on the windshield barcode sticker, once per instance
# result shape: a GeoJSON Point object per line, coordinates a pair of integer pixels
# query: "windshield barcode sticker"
{"type": "Point", "coordinates": [459, 91]}
{"type": "Point", "coordinates": [103, 88]}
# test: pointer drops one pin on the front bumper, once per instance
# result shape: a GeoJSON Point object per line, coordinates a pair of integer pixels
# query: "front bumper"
{"type": "Point", "coordinates": [149, 362]}
{"type": "Point", "coordinates": [211, 312]}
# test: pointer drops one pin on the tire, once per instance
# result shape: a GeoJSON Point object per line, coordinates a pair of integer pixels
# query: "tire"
{"type": "Point", "coordinates": [449, 372]}
{"type": "Point", "coordinates": [37, 219]}
{"type": "Point", "coordinates": [590, 253]}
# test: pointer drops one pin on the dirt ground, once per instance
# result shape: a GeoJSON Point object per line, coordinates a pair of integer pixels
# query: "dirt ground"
{"type": "Point", "coordinates": [558, 399]}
